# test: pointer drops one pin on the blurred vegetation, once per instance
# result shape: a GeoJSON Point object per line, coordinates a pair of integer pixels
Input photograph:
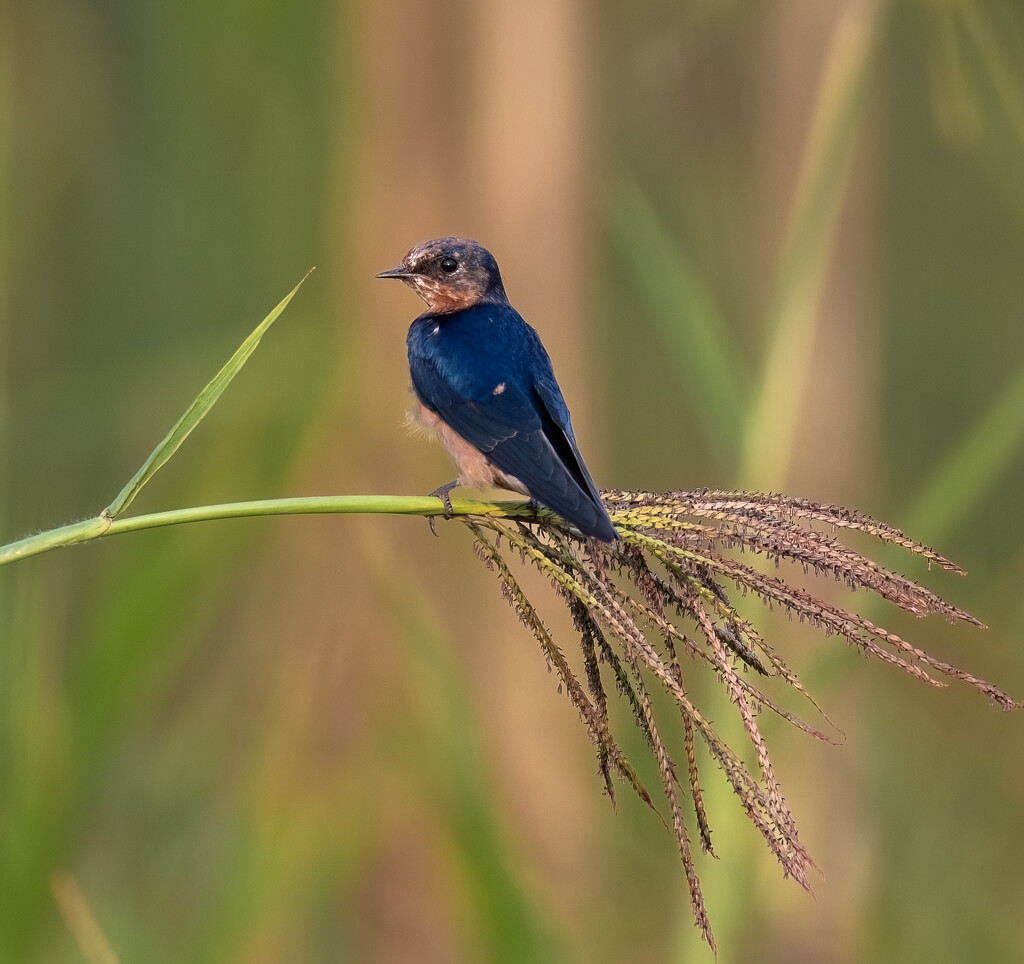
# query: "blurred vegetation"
{"type": "Point", "coordinates": [778, 248]}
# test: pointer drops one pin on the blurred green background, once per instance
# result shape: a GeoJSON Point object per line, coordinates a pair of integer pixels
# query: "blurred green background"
{"type": "Point", "coordinates": [778, 245]}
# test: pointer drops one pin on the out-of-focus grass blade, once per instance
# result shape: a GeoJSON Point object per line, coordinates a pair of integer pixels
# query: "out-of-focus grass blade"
{"type": "Point", "coordinates": [75, 910]}
{"type": "Point", "coordinates": [824, 175]}
{"type": "Point", "coordinates": [195, 413]}
{"type": "Point", "coordinates": [962, 480]}
{"type": "Point", "coordinates": [999, 66]}
{"type": "Point", "coordinates": [968, 472]}
{"type": "Point", "coordinates": [992, 52]}
{"type": "Point", "coordinates": [684, 308]}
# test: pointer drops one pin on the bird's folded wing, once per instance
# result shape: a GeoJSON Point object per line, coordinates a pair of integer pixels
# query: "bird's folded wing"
{"type": "Point", "coordinates": [525, 431]}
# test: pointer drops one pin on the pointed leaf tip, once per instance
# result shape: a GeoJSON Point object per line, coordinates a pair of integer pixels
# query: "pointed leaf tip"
{"type": "Point", "coordinates": [196, 412]}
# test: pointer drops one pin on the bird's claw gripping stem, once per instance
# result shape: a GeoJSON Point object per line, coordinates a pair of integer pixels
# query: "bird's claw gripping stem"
{"type": "Point", "coordinates": [441, 492]}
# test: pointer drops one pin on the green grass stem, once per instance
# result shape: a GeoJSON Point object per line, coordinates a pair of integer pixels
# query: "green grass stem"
{"type": "Point", "coordinates": [101, 526]}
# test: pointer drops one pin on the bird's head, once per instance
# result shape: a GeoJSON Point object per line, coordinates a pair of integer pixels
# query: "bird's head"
{"type": "Point", "coordinates": [450, 274]}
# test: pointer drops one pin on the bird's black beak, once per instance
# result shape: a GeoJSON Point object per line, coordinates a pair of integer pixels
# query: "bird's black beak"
{"type": "Point", "coordinates": [398, 272]}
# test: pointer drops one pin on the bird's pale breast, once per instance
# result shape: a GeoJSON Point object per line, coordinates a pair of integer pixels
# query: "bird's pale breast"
{"type": "Point", "coordinates": [474, 468]}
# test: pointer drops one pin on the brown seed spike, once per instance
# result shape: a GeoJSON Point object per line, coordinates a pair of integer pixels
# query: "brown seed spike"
{"type": "Point", "coordinates": [640, 603]}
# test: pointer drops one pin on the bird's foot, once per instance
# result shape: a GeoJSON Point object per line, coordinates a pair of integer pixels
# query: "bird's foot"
{"type": "Point", "coordinates": [441, 492]}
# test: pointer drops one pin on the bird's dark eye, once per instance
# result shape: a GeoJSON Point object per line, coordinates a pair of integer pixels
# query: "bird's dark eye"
{"type": "Point", "coordinates": [448, 265]}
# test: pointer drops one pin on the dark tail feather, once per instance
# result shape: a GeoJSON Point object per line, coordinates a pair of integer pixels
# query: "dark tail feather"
{"type": "Point", "coordinates": [598, 524]}
{"type": "Point", "coordinates": [579, 508]}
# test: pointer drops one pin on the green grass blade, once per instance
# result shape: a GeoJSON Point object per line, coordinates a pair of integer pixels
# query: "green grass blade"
{"type": "Point", "coordinates": [195, 413]}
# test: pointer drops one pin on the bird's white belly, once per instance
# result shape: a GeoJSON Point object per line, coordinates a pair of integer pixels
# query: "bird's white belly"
{"type": "Point", "coordinates": [474, 468]}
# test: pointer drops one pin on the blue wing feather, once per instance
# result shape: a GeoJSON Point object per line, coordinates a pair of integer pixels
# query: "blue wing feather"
{"type": "Point", "coordinates": [458, 361]}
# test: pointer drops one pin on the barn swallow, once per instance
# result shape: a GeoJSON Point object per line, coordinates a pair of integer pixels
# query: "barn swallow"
{"type": "Point", "coordinates": [485, 385]}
